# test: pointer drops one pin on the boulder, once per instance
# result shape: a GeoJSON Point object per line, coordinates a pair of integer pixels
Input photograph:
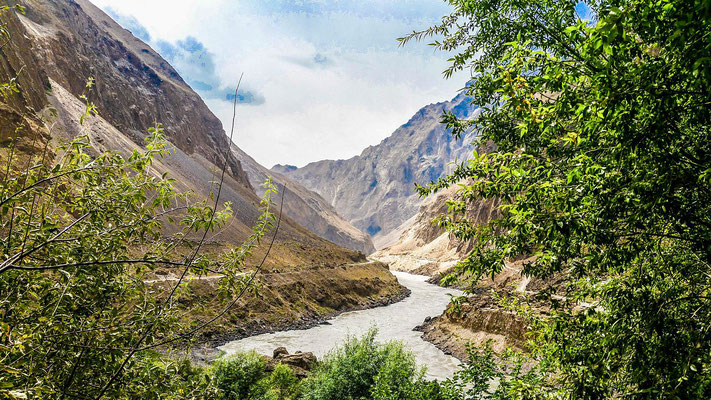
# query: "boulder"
{"type": "Point", "coordinates": [300, 360]}
{"type": "Point", "coordinates": [279, 352]}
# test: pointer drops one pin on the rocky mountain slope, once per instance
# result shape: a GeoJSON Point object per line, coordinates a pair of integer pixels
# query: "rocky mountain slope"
{"type": "Point", "coordinates": [375, 190]}
{"type": "Point", "coordinates": [306, 207]}
{"type": "Point", "coordinates": [419, 246]}
{"type": "Point", "coordinates": [58, 44]}
{"type": "Point", "coordinates": [135, 87]}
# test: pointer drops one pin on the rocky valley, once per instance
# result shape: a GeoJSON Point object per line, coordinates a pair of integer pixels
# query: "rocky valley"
{"type": "Point", "coordinates": [334, 210]}
{"type": "Point", "coordinates": [375, 190]}
{"type": "Point", "coordinates": [57, 46]}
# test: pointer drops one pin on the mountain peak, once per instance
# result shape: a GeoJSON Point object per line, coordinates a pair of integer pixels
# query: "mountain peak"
{"type": "Point", "coordinates": [375, 190]}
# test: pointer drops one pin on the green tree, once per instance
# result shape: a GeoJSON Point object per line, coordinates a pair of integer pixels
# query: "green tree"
{"type": "Point", "coordinates": [80, 237]}
{"type": "Point", "coordinates": [283, 383]}
{"type": "Point", "coordinates": [82, 232]}
{"type": "Point", "coordinates": [599, 117]}
{"type": "Point", "coordinates": [237, 377]}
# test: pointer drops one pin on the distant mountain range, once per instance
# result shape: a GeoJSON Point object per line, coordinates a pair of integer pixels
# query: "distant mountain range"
{"type": "Point", "coordinates": [375, 190]}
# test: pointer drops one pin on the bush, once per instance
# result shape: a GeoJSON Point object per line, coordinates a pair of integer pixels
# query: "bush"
{"type": "Point", "coordinates": [395, 377]}
{"type": "Point", "coordinates": [364, 369]}
{"type": "Point", "coordinates": [282, 384]}
{"type": "Point", "coordinates": [237, 376]}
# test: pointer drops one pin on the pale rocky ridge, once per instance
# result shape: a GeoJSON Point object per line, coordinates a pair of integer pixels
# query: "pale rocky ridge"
{"type": "Point", "coordinates": [421, 247]}
{"type": "Point", "coordinates": [375, 190]}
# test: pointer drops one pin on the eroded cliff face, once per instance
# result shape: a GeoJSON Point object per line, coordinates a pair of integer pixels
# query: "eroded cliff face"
{"type": "Point", "coordinates": [481, 318]}
{"type": "Point", "coordinates": [375, 190]}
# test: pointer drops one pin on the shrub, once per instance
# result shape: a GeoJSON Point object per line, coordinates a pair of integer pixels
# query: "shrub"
{"type": "Point", "coordinates": [237, 376]}
{"type": "Point", "coordinates": [282, 384]}
{"type": "Point", "coordinates": [364, 369]}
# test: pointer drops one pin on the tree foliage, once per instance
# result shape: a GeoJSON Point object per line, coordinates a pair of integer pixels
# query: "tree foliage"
{"type": "Point", "coordinates": [361, 368]}
{"type": "Point", "coordinates": [599, 113]}
{"type": "Point", "coordinates": [82, 234]}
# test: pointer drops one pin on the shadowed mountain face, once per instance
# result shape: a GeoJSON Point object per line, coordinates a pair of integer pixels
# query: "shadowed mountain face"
{"type": "Point", "coordinates": [59, 44]}
{"type": "Point", "coordinates": [375, 190]}
{"type": "Point", "coordinates": [306, 207]}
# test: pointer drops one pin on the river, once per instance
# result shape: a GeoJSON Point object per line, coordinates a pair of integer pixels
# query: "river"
{"type": "Point", "coordinates": [393, 322]}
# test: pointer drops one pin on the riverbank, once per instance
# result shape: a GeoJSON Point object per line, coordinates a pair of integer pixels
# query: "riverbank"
{"type": "Point", "coordinates": [477, 320]}
{"type": "Point", "coordinates": [393, 322]}
{"type": "Point", "coordinates": [299, 298]}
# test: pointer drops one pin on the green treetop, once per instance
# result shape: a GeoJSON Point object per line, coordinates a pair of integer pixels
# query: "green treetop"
{"type": "Point", "coordinates": [599, 115]}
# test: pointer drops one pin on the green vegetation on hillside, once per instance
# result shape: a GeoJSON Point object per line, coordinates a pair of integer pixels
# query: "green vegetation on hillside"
{"type": "Point", "coordinates": [81, 236]}
{"type": "Point", "coordinates": [601, 129]}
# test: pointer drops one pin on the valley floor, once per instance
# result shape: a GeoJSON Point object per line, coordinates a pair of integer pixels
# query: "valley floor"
{"type": "Point", "coordinates": [293, 299]}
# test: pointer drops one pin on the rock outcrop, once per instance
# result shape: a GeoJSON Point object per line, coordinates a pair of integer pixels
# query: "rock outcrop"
{"type": "Point", "coordinates": [375, 190]}
{"type": "Point", "coordinates": [23, 96]}
{"type": "Point", "coordinates": [301, 363]}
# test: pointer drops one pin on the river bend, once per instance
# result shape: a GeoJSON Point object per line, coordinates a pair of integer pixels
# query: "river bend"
{"type": "Point", "coordinates": [394, 322]}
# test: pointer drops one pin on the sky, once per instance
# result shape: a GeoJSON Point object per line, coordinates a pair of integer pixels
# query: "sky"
{"type": "Point", "coordinates": [323, 79]}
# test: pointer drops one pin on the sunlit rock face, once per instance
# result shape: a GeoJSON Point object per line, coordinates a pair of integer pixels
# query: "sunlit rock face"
{"type": "Point", "coordinates": [375, 190]}
{"type": "Point", "coordinates": [135, 87]}
{"type": "Point", "coordinates": [418, 246]}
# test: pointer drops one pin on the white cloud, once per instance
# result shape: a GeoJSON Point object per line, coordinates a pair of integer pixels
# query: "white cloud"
{"type": "Point", "coordinates": [330, 72]}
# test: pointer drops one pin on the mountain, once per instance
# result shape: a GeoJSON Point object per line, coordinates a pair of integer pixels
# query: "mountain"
{"type": "Point", "coordinates": [306, 207]}
{"type": "Point", "coordinates": [58, 44]}
{"type": "Point", "coordinates": [375, 190]}
{"type": "Point", "coordinates": [135, 87]}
